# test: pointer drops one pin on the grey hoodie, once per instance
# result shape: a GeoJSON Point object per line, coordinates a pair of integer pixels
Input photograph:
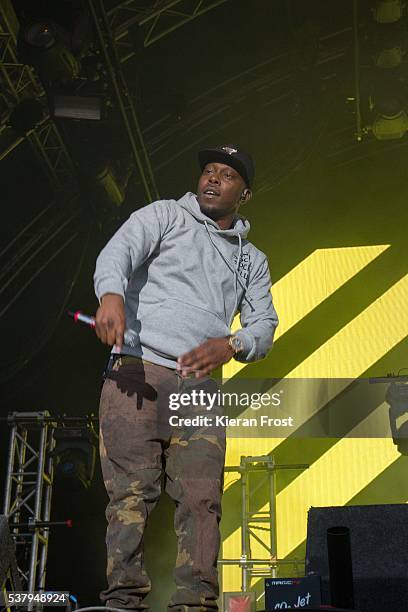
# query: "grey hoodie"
{"type": "Point", "coordinates": [184, 279]}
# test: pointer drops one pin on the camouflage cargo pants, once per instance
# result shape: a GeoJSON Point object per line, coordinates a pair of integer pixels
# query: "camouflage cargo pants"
{"type": "Point", "coordinates": [136, 444]}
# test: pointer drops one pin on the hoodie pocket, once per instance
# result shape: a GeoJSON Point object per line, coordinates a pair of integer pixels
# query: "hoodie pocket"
{"type": "Point", "coordinates": [178, 326]}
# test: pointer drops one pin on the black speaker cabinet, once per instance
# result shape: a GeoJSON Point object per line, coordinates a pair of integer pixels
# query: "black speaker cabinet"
{"type": "Point", "coordinates": [379, 550]}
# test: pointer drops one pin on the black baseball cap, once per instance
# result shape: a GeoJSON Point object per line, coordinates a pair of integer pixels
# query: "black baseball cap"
{"type": "Point", "coordinates": [232, 156]}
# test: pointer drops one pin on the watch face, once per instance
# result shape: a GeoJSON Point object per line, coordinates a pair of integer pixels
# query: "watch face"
{"type": "Point", "coordinates": [237, 344]}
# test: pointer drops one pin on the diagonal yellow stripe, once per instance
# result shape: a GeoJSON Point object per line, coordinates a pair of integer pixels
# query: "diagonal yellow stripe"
{"type": "Point", "coordinates": [316, 278]}
{"type": "Point", "coordinates": [311, 282]}
{"type": "Point", "coordinates": [363, 341]}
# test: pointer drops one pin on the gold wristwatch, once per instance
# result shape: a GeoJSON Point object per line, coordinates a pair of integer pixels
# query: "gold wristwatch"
{"type": "Point", "coordinates": [236, 344]}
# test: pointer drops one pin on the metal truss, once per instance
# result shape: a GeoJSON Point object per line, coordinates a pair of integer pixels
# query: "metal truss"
{"type": "Point", "coordinates": [29, 484]}
{"type": "Point", "coordinates": [124, 101]}
{"type": "Point", "coordinates": [28, 493]}
{"type": "Point", "coordinates": [19, 82]}
{"type": "Point", "coordinates": [254, 522]}
{"type": "Point", "coordinates": [157, 21]}
{"type": "Point", "coordinates": [52, 150]}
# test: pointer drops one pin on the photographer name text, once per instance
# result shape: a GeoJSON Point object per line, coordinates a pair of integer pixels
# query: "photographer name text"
{"type": "Point", "coordinates": [225, 421]}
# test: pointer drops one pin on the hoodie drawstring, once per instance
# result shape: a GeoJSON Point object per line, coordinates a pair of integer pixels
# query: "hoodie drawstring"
{"type": "Point", "coordinates": [237, 278]}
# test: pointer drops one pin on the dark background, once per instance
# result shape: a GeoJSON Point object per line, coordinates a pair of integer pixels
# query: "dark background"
{"type": "Point", "coordinates": [273, 78]}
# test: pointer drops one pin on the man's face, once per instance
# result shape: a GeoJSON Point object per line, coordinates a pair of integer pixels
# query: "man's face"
{"type": "Point", "coordinates": [219, 190]}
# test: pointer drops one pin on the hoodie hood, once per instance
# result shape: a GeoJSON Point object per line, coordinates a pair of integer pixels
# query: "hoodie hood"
{"type": "Point", "coordinates": [240, 225]}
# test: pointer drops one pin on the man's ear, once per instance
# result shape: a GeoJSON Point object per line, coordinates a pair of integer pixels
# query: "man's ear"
{"type": "Point", "coordinates": [246, 195]}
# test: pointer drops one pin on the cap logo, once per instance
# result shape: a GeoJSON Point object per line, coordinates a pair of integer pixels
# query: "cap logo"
{"type": "Point", "coordinates": [229, 150]}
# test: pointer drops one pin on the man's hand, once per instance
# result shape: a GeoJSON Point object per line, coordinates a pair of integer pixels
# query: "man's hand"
{"type": "Point", "coordinates": [206, 357]}
{"type": "Point", "coordinates": [110, 320]}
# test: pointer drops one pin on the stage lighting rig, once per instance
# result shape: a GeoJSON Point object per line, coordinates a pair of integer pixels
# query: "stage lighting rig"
{"type": "Point", "coordinates": [53, 37]}
{"type": "Point", "coordinates": [397, 398]}
{"type": "Point", "coordinates": [75, 454]}
{"type": "Point", "coordinates": [87, 98]}
{"type": "Point", "coordinates": [388, 11]}
{"type": "Point", "coordinates": [389, 45]}
{"type": "Point", "coordinates": [92, 108]}
{"type": "Point", "coordinates": [388, 104]}
{"type": "Point", "coordinates": [390, 126]}
{"type": "Point", "coordinates": [381, 78]}
{"type": "Point", "coordinates": [41, 35]}
{"type": "Point", "coordinates": [390, 56]}
{"type": "Point", "coordinates": [40, 46]}
{"type": "Point", "coordinates": [107, 187]}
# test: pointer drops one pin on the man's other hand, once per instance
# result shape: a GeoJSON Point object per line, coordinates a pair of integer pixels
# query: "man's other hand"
{"type": "Point", "coordinates": [110, 320]}
{"type": "Point", "coordinates": [206, 357]}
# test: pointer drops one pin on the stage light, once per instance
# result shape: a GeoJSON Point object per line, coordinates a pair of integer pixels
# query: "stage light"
{"type": "Point", "coordinates": [388, 103]}
{"type": "Point", "coordinates": [390, 127]}
{"type": "Point", "coordinates": [107, 188]}
{"type": "Point", "coordinates": [77, 107]}
{"type": "Point", "coordinates": [57, 64]}
{"type": "Point", "coordinates": [75, 455]}
{"type": "Point", "coordinates": [388, 11]}
{"type": "Point", "coordinates": [390, 57]}
{"type": "Point", "coordinates": [397, 398]}
{"type": "Point", "coordinates": [41, 34]}
{"type": "Point", "coordinates": [390, 45]}
{"type": "Point", "coordinates": [40, 46]}
{"type": "Point", "coordinates": [401, 440]}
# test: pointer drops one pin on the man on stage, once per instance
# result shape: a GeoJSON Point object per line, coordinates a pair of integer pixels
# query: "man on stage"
{"type": "Point", "coordinates": [174, 276]}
